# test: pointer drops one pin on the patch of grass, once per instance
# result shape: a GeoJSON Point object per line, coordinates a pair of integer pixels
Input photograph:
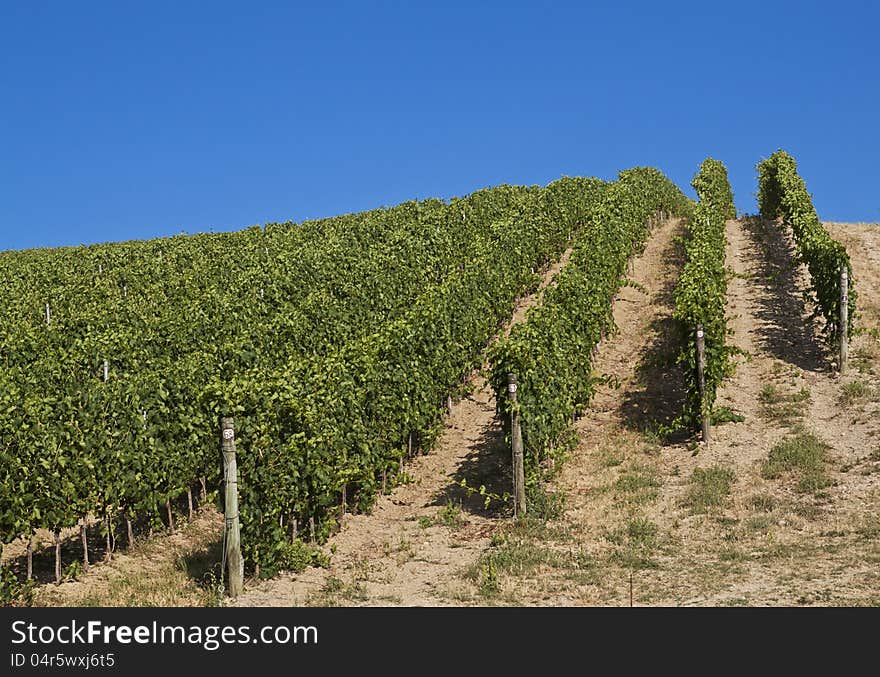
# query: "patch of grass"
{"type": "Point", "coordinates": [758, 524]}
{"type": "Point", "coordinates": [723, 415]}
{"type": "Point", "coordinates": [730, 553]}
{"type": "Point", "coordinates": [333, 585]}
{"type": "Point", "coordinates": [336, 592]}
{"type": "Point", "coordinates": [854, 393]}
{"type": "Point", "coordinates": [169, 586]}
{"type": "Point", "coordinates": [513, 555]}
{"type": "Point", "coordinates": [784, 551]}
{"type": "Point", "coordinates": [869, 529]}
{"type": "Point", "coordinates": [802, 454]}
{"type": "Point", "coordinates": [450, 516]}
{"type": "Point", "coordinates": [610, 457]}
{"type": "Point", "coordinates": [544, 505]}
{"type": "Point", "coordinates": [785, 408]}
{"type": "Point", "coordinates": [867, 357]}
{"type": "Point", "coordinates": [636, 544]}
{"type": "Point", "coordinates": [735, 601]}
{"type": "Point", "coordinates": [639, 483]}
{"type": "Point", "coordinates": [708, 489]}
{"type": "Point", "coordinates": [762, 502]}
{"type": "Point", "coordinates": [808, 511]}
{"type": "Point", "coordinates": [641, 532]}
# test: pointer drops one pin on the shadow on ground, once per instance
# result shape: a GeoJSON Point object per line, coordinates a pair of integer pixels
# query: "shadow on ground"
{"type": "Point", "coordinates": [657, 395]}
{"type": "Point", "coordinates": [72, 561]}
{"type": "Point", "coordinates": [489, 465]}
{"type": "Point", "coordinates": [784, 328]}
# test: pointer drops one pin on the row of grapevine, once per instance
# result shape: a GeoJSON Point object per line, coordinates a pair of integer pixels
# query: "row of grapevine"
{"type": "Point", "coordinates": [702, 288]}
{"type": "Point", "coordinates": [551, 352]}
{"type": "Point", "coordinates": [322, 429]}
{"type": "Point", "coordinates": [282, 325]}
{"type": "Point", "coordinates": [782, 194]}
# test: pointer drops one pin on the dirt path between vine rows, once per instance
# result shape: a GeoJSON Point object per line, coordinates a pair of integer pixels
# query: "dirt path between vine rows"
{"type": "Point", "coordinates": [679, 523]}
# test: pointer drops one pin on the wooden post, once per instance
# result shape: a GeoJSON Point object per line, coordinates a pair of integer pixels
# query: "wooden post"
{"type": "Point", "coordinates": [384, 480]}
{"type": "Point", "coordinates": [293, 529]}
{"type": "Point", "coordinates": [701, 377]}
{"type": "Point", "coordinates": [85, 543]}
{"type": "Point", "coordinates": [30, 557]}
{"type": "Point", "coordinates": [57, 558]}
{"type": "Point", "coordinates": [170, 515]}
{"type": "Point", "coordinates": [189, 502]}
{"type": "Point", "coordinates": [48, 315]}
{"type": "Point", "coordinates": [312, 529]}
{"type": "Point", "coordinates": [109, 555]}
{"type": "Point", "coordinates": [129, 530]}
{"type": "Point", "coordinates": [409, 445]}
{"type": "Point", "coordinates": [844, 318]}
{"type": "Point", "coordinates": [232, 537]}
{"type": "Point", "coordinates": [106, 371]}
{"type": "Point", "coordinates": [449, 405]}
{"type": "Point", "coordinates": [344, 487]}
{"type": "Point", "coordinates": [204, 495]}
{"type": "Point", "coordinates": [519, 482]}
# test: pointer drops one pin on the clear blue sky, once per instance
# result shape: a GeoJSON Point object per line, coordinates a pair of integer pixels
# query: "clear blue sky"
{"type": "Point", "coordinates": [127, 120]}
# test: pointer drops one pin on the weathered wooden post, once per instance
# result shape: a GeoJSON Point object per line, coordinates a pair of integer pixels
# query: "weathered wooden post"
{"type": "Point", "coordinates": [844, 318]}
{"type": "Point", "coordinates": [85, 543]}
{"type": "Point", "coordinates": [701, 377]}
{"type": "Point", "coordinates": [170, 515]}
{"type": "Point", "coordinates": [128, 529]}
{"type": "Point", "coordinates": [30, 557]}
{"type": "Point", "coordinates": [106, 371]}
{"type": "Point", "coordinates": [232, 536]}
{"type": "Point", "coordinates": [519, 481]}
{"type": "Point", "coordinates": [109, 539]}
{"type": "Point", "coordinates": [48, 315]}
{"type": "Point", "coordinates": [57, 535]}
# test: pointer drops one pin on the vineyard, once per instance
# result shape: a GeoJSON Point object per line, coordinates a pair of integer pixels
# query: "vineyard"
{"type": "Point", "coordinates": [342, 347]}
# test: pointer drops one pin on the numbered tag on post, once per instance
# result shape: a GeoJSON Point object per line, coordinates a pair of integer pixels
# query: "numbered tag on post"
{"type": "Point", "coordinates": [228, 434]}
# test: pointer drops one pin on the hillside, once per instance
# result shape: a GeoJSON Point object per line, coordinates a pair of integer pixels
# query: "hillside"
{"type": "Point", "coordinates": [375, 463]}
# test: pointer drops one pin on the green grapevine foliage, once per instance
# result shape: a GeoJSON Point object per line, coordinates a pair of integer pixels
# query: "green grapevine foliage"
{"type": "Point", "coordinates": [782, 194]}
{"type": "Point", "coordinates": [551, 352]}
{"type": "Point", "coordinates": [332, 342]}
{"type": "Point", "coordinates": [702, 288]}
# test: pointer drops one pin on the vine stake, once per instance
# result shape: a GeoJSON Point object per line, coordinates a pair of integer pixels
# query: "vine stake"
{"type": "Point", "coordinates": [519, 480]}
{"type": "Point", "coordinates": [844, 318]}
{"type": "Point", "coordinates": [232, 537]}
{"type": "Point", "coordinates": [701, 377]}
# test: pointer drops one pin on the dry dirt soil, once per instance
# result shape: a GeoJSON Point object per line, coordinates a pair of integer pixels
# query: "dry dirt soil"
{"type": "Point", "coordinates": [780, 508]}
